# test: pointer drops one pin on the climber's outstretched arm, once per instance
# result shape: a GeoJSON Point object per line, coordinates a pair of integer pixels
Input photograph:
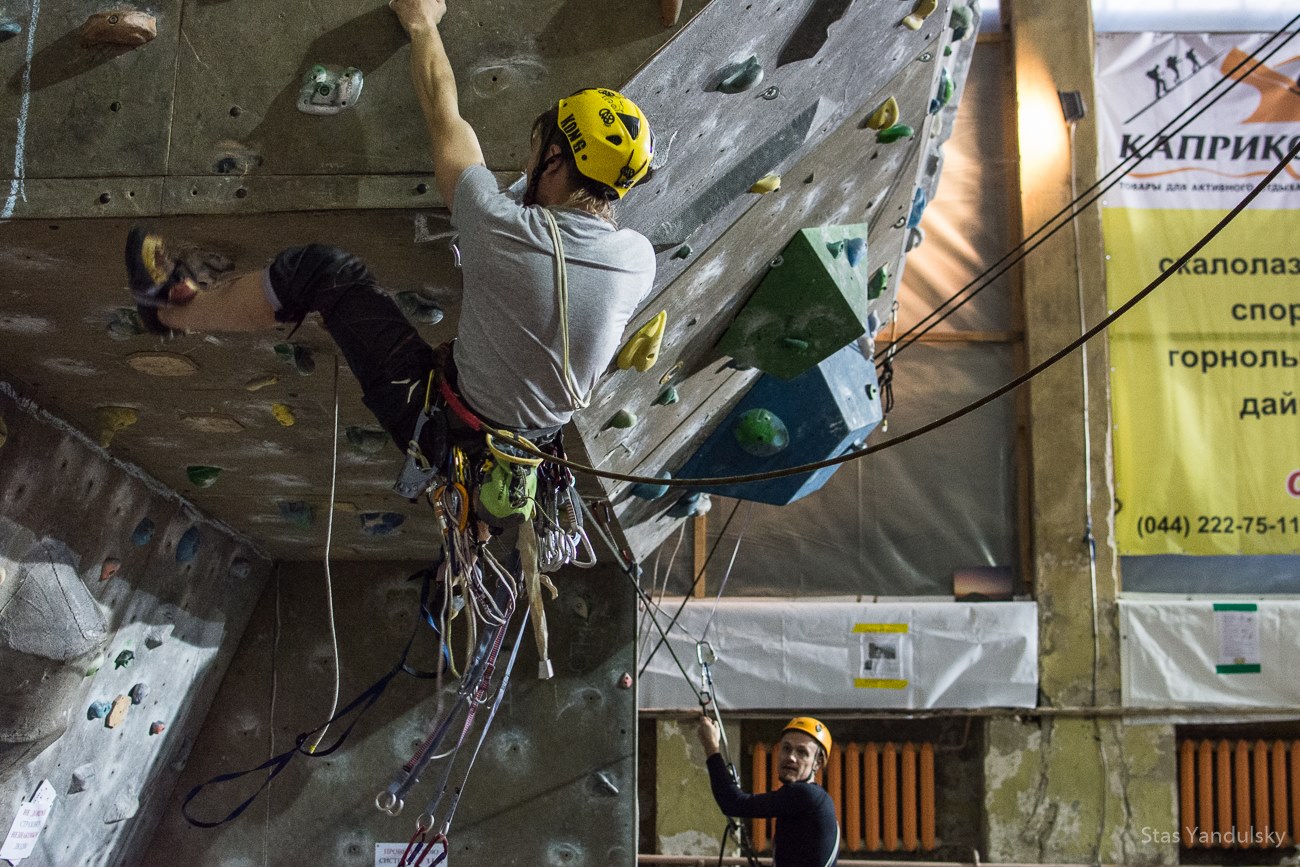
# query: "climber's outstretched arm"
{"type": "Point", "coordinates": [454, 143]}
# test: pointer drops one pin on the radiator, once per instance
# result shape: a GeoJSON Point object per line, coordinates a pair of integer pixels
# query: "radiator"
{"type": "Point", "coordinates": [883, 794]}
{"type": "Point", "coordinates": [1238, 794]}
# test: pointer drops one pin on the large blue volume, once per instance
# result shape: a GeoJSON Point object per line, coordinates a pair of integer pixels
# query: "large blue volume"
{"type": "Point", "coordinates": [780, 423]}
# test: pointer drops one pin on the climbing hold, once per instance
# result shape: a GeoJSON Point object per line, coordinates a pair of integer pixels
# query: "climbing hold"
{"type": "Point", "coordinates": [741, 76]}
{"type": "Point", "coordinates": [4, 433]}
{"type": "Point", "coordinates": [240, 569]}
{"type": "Point", "coordinates": [761, 433]}
{"type": "Point", "coordinates": [795, 343]}
{"type": "Point", "coordinates": [213, 422]}
{"type": "Point", "coordinates": [854, 250]}
{"type": "Point", "coordinates": [81, 777]}
{"type": "Point", "coordinates": [109, 568]}
{"type": "Point", "coordinates": [283, 414]}
{"type": "Point", "coordinates": [883, 117]}
{"type": "Point", "coordinates": [625, 682]}
{"type": "Point", "coordinates": [93, 667]}
{"type": "Point", "coordinates": [914, 238]}
{"type": "Point", "coordinates": [299, 356]}
{"type": "Point", "coordinates": [647, 491]}
{"type": "Point", "coordinates": [919, 201]}
{"type": "Point", "coordinates": [873, 324]}
{"type": "Point", "coordinates": [766, 184]}
{"type": "Point", "coordinates": [690, 505]}
{"type": "Point", "coordinates": [879, 282]}
{"type": "Point", "coordinates": [258, 383]}
{"type": "Point", "coordinates": [117, 715]}
{"type": "Point", "coordinates": [125, 324]}
{"type": "Point", "coordinates": [162, 364]}
{"type": "Point", "coordinates": [683, 252]}
{"type": "Point", "coordinates": [188, 546]}
{"type": "Point", "coordinates": [962, 22]}
{"type": "Point", "coordinates": [138, 693]}
{"type": "Point", "coordinates": [154, 638]}
{"type": "Point", "coordinates": [201, 476]}
{"type": "Point", "coordinates": [672, 373]}
{"type": "Point", "coordinates": [9, 29]}
{"type": "Point", "coordinates": [894, 133]}
{"type": "Point", "coordinates": [113, 419]}
{"type": "Point", "coordinates": [920, 12]}
{"type": "Point", "coordinates": [623, 419]}
{"type": "Point", "coordinates": [123, 659]}
{"type": "Point", "coordinates": [642, 348]}
{"type": "Point", "coordinates": [381, 523]}
{"type": "Point", "coordinates": [98, 709]}
{"type": "Point", "coordinates": [424, 310]}
{"type": "Point", "coordinates": [123, 27]}
{"type": "Point", "coordinates": [667, 397]}
{"type": "Point", "coordinates": [835, 247]}
{"type": "Point", "coordinates": [670, 11]}
{"type": "Point", "coordinates": [157, 727]}
{"type": "Point", "coordinates": [366, 440]}
{"type": "Point", "coordinates": [297, 512]}
{"type": "Point", "coordinates": [944, 95]}
{"type": "Point", "coordinates": [143, 533]}
{"type": "Point", "coordinates": [329, 90]}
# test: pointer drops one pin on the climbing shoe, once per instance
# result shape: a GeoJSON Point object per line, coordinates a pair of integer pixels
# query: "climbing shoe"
{"type": "Point", "coordinates": [156, 279]}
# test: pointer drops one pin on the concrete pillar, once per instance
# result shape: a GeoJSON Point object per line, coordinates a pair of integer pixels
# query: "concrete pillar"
{"type": "Point", "coordinates": [687, 820]}
{"type": "Point", "coordinates": [1078, 787]}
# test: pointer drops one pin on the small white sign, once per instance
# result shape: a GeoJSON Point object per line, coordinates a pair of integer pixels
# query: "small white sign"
{"type": "Point", "coordinates": [28, 824]}
{"type": "Point", "coordinates": [1237, 626]}
{"type": "Point", "coordinates": [390, 854]}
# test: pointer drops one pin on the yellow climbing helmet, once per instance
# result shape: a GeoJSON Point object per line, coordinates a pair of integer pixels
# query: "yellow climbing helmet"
{"type": "Point", "coordinates": [813, 727]}
{"type": "Point", "coordinates": [608, 136]}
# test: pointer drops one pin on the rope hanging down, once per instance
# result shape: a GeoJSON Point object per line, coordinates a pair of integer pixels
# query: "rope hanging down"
{"type": "Point", "coordinates": [1018, 253]}
{"type": "Point", "coordinates": [957, 414]}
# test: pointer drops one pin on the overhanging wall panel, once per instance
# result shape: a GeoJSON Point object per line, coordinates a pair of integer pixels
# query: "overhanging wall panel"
{"type": "Point", "coordinates": [799, 656]}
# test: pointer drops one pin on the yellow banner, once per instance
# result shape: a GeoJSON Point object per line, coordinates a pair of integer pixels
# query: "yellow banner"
{"type": "Point", "coordinates": [1204, 383]}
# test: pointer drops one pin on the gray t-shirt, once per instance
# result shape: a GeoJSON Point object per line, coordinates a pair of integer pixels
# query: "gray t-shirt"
{"type": "Point", "coordinates": [508, 349]}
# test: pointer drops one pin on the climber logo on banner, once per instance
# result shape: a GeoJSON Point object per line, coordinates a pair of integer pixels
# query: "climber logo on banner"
{"type": "Point", "coordinates": [1205, 380]}
{"type": "Point", "coordinates": [1146, 80]}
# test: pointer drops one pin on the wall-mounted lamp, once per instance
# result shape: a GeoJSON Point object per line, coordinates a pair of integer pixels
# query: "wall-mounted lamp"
{"type": "Point", "coordinates": [1072, 105]}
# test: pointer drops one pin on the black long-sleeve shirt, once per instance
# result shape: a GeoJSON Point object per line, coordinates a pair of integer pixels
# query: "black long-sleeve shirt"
{"type": "Point", "coordinates": [807, 834]}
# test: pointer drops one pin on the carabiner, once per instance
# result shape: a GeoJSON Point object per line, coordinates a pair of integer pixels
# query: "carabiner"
{"type": "Point", "coordinates": [388, 802]}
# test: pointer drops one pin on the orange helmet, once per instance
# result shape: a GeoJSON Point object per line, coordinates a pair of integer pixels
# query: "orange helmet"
{"type": "Point", "coordinates": [811, 727]}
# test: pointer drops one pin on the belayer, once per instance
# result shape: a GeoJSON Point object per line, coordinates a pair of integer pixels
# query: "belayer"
{"type": "Point", "coordinates": [550, 284]}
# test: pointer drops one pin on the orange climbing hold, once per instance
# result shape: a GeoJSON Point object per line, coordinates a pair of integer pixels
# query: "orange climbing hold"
{"type": "Point", "coordinates": [670, 11]}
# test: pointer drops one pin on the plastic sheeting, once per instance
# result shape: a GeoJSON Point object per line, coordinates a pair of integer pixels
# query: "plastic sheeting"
{"type": "Point", "coordinates": [1184, 653]}
{"type": "Point", "coordinates": [849, 654]}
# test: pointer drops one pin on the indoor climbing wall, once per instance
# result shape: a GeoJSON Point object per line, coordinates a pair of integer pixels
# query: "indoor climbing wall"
{"type": "Point", "coordinates": [120, 608]}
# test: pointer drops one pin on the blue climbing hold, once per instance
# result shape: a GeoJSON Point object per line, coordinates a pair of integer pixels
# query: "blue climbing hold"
{"type": "Point", "coordinates": [647, 491]}
{"type": "Point", "coordinates": [919, 201]}
{"type": "Point", "coordinates": [143, 533]}
{"type": "Point", "coordinates": [9, 29]}
{"type": "Point", "coordinates": [854, 250]}
{"type": "Point", "coordinates": [689, 506]}
{"type": "Point", "coordinates": [98, 709]}
{"type": "Point", "coordinates": [188, 547]}
{"type": "Point", "coordinates": [381, 523]}
{"type": "Point", "coordinates": [297, 512]}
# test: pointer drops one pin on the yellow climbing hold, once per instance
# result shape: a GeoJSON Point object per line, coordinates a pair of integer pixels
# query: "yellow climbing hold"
{"type": "Point", "coordinates": [283, 414]}
{"type": "Point", "coordinates": [642, 350]}
{"type": "Point", "coordinates": [922, 11]}
{"type": "Point", "coordinates": [162, 363]}
{"type": "Point", "coordinates": [113, 419]}
{"type": "Point", "coordinates": [885, 116]}
{"type": "Point", "coordinates": [766, 184]}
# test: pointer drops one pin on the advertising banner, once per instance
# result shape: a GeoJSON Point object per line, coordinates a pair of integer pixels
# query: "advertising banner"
{"type": "Point", "coordinates": [1205, 377]}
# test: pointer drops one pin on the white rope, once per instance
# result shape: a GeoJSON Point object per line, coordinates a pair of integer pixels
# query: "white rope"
{"type": "Point", "coordinates": [329, 579]}
{"type": "Point", "coordinates": [562, 294]}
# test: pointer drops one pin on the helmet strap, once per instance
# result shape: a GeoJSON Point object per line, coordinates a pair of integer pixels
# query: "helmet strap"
{"type": "Point", "coordinates": [534, 181]}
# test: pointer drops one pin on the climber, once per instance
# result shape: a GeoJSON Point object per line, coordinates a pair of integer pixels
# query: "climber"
{"type": "Point", "coordinates": [534, 332]}
{"type": "Point", "coordinates": [807, 834]}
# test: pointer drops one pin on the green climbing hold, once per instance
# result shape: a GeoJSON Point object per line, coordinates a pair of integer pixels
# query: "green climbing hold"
{"type": "Point", "coordinates": [667, 397]}
{"type": "Point", "coordinates": [836, 248]}
{"type": "Point", "coordinates": [879, 283]}
{"type": "Point", "coordinates": [761, 433]}
{"type": "Point", "coordinates": [299, 356]}
{"type": "Point", "coordinates": [683, 252]}
{"type": "Point", "coordinates": [739, 77]}
{"type": "Point", "coordinates": [124, 659]}
{"type": "Point", "coordinates": [366, 440]}
{"type": "Point", "coordinates": [623, 419]}
{"type": "Point", "coordinates": [201, 476]}
{"type": "Point", "coordinates": [795, 343]}
{"type": "Point", "coordinates": [962, 22]}
{"type": "Point", "coordinates": [894, 133]}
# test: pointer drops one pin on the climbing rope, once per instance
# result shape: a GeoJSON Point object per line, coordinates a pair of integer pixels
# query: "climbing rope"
{"type": "Point", "coordinates": [329, 579]}
{"type": "Point", "coordinates": [716, 481]}
{"type": "Point", "coordinates": [1013, 257]}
